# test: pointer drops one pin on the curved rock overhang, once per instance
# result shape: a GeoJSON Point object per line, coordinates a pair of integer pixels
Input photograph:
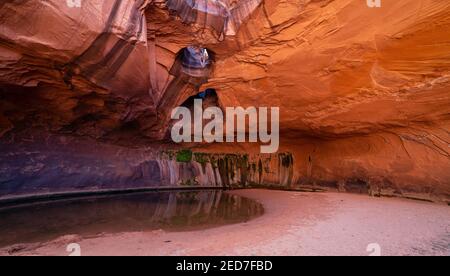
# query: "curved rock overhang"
{"type": "Point", "coordinates": [363, 93]}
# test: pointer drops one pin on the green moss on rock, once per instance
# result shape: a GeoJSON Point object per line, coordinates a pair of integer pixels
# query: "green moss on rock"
{"type": "Point", "coordinates": [201, 158]}
{"type": "Point", "coordinates": [184, 156]}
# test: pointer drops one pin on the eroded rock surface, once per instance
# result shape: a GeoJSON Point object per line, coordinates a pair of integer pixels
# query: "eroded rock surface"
{"type": "Point", "coordinates": [363, 92]}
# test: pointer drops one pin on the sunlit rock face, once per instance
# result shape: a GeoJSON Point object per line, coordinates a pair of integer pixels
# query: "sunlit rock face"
{"type": "Point", "coordinates": [82, 71]}
{"type": "Point", "coordinates": [224, 16]}
{"type": "Point", "coordinates": [363, 92]}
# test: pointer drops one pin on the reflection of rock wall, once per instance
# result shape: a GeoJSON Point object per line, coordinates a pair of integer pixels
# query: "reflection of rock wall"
{"type": "Point", "coordinates": [125, 213]}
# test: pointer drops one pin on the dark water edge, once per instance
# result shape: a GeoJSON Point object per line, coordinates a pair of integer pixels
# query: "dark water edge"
{"type": "Point", "coordinates": [25, 199]}
{"type": "Point", "coordinates": [133, 212]}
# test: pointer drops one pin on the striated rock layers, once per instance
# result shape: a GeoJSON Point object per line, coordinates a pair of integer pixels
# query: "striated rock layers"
{"type": "Point", "coordinates": [363, 92]}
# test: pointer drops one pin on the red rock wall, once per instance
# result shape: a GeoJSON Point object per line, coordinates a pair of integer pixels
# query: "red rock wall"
{"type": "Point", "coordinates": [363, 92]}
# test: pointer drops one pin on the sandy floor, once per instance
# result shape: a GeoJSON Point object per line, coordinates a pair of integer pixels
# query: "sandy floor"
{"type": "Point", "coordinates": [294, 224]}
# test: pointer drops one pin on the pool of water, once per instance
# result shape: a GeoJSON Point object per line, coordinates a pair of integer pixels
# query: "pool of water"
{"type": "Point", "coordinates": [94, 216]}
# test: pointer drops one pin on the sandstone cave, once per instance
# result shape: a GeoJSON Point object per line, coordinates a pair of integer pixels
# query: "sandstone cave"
{"type": "Point", "coordinates": [87, 92]}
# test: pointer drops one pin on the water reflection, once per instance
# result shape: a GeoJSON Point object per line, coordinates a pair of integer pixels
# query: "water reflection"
{"type": "Point", "coordinates": [170, 211]}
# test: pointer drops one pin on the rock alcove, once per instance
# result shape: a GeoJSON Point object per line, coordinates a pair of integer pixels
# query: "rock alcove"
{"type": "Point", "coordinates": [86, 94]}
